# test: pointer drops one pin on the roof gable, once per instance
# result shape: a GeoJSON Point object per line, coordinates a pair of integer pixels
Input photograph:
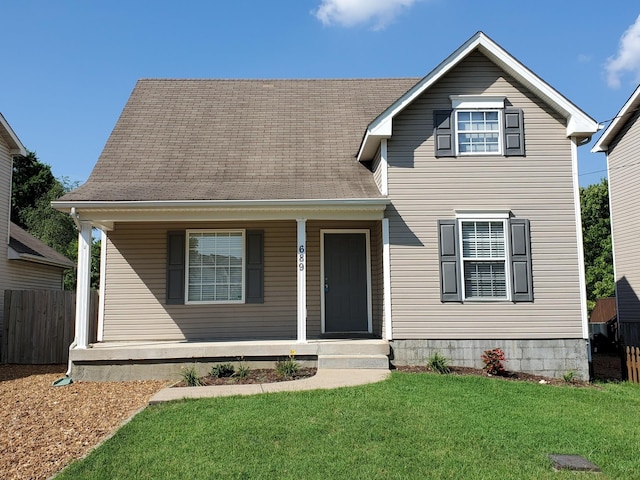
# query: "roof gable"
{"type": "Point", "coordinates": [9, 136]}
{"type": "Point", "coordinates": [611, 132]}
{"type": "Point", "coordinates": [579, 124]}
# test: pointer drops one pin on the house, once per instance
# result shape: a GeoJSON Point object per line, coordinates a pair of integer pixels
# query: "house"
{"type": "Point", "coordinates": [603, 325]}
{"type": "Point", "coordinates": [25, 262]}
{"type": "Point", "coordinates": [345, 219]}
{"type": "Point", "coordinates": [621, 142]}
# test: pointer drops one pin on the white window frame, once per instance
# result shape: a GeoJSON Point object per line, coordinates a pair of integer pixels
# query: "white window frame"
{"type": "Point", "coordinates": [485, 217]}
{"type": "Point", "coordinates": [477, 103]}
{"type": "Point", "coordinates": [188, 233]}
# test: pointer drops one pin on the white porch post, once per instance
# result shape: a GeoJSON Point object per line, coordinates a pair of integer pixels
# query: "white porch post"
{"type": "Point", "coordinates": [386, 274]}
{"type": "Point", "coordinates": [83, 286]}
{"type": "Point", "coordinates": [103, 278]}
{"type": "Point", "coordinates": [301, 262]}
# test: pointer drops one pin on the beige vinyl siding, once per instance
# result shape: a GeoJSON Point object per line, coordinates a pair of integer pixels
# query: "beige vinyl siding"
{"type": "Point", "coordinates": [538, 187]}
{"type": "Point", "coordinates": [624, 178]}
{"type": "Point", "coordinates": [23, 275]}
{"type": "Point", "coordinates": [135, 286]}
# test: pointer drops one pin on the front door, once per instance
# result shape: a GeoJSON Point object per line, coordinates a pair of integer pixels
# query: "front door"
{"type": "Point", "coordinates": [346, 284]}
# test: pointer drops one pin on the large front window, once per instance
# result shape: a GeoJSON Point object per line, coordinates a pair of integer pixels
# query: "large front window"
{"type": "Point", "coordinates": [215, 267]}
{"type": "Point", "coordinates": [478, 131]}
{"type": "Point", "coordinates": [484, 259]}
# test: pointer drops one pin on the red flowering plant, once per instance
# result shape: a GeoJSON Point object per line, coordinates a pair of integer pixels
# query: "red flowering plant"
{"type": "Point", "coordinates": [493, 361]}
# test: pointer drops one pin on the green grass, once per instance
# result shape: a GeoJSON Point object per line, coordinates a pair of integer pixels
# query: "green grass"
{"type": "Point", "coordinates": [421, 426]}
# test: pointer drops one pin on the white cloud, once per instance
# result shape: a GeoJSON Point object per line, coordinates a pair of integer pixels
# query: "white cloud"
{"type": "Point", "coordinates": [353, 12]}
{"type": "Point", "coordinates": [628, 57]}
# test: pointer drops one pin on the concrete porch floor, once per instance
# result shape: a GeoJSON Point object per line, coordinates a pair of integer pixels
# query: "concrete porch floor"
{"type": "Point", "coordinates": [114, 361]}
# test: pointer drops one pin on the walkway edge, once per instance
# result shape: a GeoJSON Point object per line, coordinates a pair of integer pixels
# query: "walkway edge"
{"type": "Point", "coordinates": [323, 379]}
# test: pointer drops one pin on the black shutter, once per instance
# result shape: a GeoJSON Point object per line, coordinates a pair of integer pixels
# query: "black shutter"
{"type": "Point", "coordinates": [450, 290]}
{"type": "Point", "coordinates": [175, 267]}
{"type": "Point", "coordinates": [254, 287]}
{"type": "Point", "coordinates": [513, 132]}
{"type": "Point", "coordinates": [521, 274]}
{"type": "Point", "coordinates": [443, 133]}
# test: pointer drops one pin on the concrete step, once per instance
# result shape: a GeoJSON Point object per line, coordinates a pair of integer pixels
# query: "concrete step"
{"type": "Point", "coordinates": [353, 361]}
{"type": "Point", "coordinates": [353, 347]}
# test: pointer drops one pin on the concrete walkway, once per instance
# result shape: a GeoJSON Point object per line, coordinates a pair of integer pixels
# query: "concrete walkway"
{"type": "Point", "coordinates": [323, 379]}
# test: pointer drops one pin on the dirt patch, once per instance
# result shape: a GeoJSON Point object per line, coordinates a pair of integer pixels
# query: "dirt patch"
{"type": "Point", "coordinates": [267, 375]}
{"type": "Point", "coordinates": [45, 427]}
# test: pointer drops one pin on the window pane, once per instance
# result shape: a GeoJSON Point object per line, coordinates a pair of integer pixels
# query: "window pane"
{"type": "Point", "coordinates": [215, 266]}
{"type": "Point", "coordinates": [485, 280]}
{"type": "Point", "coordinates": [483, 240]}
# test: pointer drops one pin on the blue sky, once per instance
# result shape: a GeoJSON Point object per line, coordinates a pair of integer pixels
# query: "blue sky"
{"type": "Point", "coordinates": [70, 65]}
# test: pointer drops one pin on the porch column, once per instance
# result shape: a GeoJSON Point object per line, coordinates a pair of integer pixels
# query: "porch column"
{"type": "Point", "coordinates": [103, 277]}
{"type": "Point", "coordinates": [301, 255]}
{"type": "Point", "coordinates": [386, 275]}
{"type": "Point", "coordinates": [83, 286]}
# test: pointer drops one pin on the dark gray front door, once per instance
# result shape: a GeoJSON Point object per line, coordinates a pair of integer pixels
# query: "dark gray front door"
{"type": "Point", "coordinates": [345, 282]}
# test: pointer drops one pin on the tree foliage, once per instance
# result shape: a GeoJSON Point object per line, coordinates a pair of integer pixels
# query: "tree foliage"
{"type": "Point", "coordinates": [33, 188]}
{"type": "Point", "coordinates": [596, 233]}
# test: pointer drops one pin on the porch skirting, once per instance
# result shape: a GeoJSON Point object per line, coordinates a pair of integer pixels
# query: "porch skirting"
{"type": "Point", "coordinates": [548, 357]}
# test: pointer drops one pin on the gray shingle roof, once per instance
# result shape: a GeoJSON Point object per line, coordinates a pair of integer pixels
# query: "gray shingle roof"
{"type": "Point", "coordinates": [23, 242]}
{"type": "Point", "coordinates": [241, 140]}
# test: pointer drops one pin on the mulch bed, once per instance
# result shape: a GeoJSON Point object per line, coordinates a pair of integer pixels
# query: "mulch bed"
{"type": "Point", "coordinates": [266, 375]}
{"type": "Point", "coordinates": [44, 428]}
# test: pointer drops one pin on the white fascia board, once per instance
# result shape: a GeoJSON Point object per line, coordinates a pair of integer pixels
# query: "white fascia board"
{"type": "Point", "coordinates": [106, 213]}
{"type": "Point", "coordinates": [602, 145]}
{"type": "Point", "coordinates": [16, 147]}
{"type": "Point", "coordinates": [578, 123]}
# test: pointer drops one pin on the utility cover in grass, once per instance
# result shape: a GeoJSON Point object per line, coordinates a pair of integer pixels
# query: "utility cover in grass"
{"type": "Point", "coordinates": [572, 462]}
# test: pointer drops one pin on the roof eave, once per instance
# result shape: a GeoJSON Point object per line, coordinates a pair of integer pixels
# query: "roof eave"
{"type": "Point", "coordinates": [15, 145]}
{"type": "Point", "coordinates": [610, 133]}
{"type": "Point", "coordinates": [13, 255]}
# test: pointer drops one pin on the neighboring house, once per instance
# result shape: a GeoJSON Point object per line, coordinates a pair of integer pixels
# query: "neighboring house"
{"type": "Point", "coordinates": [249, 217]}
{"type": "Point", "coordinates": [603, 327]}
{"type": "Point", "coordinates": [25, 262]}
{"type": "Point", "coordinates": [621, 142]}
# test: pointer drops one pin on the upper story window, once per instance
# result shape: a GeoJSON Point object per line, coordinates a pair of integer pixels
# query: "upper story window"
{"type": "Point", "coordinates": [478, 131]}
{"type": "Point", "coordinates": [478, 125]}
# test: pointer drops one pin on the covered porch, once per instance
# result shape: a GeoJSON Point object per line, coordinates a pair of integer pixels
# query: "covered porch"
{"type": "Point", "coordinates": [142, 333]}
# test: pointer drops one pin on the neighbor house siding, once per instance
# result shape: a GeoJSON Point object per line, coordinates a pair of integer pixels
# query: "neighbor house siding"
{"type": "Point", "coordinates": [624, 178]}
{"type": "Point", "coordinates": [5, 205]}
{"type": "Point", "coordinates": [424, 189]}
{"type": "Point", "coordinates": [136, 275]}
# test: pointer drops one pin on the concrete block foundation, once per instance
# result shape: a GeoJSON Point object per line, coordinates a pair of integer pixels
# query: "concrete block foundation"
{"type": "Point", "coordinates": [547, 357]}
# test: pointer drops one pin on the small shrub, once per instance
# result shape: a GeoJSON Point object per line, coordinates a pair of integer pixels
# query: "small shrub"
{"type": "Point", "coordinates": [243, 369]}
{"type": "Point", "coordinates": [569, 377]}
{"type": "Point", "coordinates": [288, 367]}
{"type": "Point", "coordinates": [439, 363]}
{"type": "Point", "coordinates": [492, 360]}
{"type": "Point", "coordinates": [222, 370]}
{"type": "Point", "coordinates": [190, 377]}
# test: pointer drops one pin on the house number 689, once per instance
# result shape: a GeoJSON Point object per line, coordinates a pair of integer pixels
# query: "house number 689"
{"type": "Point", "coordinates": [301, 258]}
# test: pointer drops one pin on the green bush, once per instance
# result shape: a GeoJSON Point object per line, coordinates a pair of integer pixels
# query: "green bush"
{"type": "Point", "coordinates": [439, 363]}
{"type": "Point", "coordinates": [243, 369]}
{"type": "Point", "coordinates": [190, 376]}
{"type": "Point", "coordinates": [222, 370]}
{"type": "Point", "coordinates": [288, 367]}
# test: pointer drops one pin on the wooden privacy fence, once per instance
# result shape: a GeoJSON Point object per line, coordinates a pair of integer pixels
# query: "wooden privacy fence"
{"type": "Point", "coordinates": [39, 325]}
{"type": "Point", "coordinates": [633, 364]}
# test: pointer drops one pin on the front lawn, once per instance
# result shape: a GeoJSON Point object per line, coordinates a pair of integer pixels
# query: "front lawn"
{"type": "Point", "coordinates": [411, 426]}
